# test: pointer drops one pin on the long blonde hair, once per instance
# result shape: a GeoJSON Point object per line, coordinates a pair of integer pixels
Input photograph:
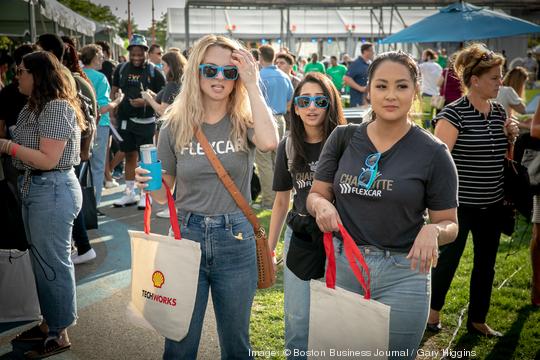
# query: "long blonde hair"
{"type": "Point", "coordinates": [516, 79]}
{"type": "Point", "coordinates": [187, 112]}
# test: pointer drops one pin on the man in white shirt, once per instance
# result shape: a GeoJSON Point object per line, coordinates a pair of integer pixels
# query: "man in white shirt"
{"type": "Point", "coordinates": [431, 72]}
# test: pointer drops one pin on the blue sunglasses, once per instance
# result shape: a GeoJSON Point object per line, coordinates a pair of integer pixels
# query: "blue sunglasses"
{"type": "Point", "coordinates": [210, 71]}
{"type": "Point", "coordinates": [304, 101]}
{"type": "Point", "coordinates": [368, 175]}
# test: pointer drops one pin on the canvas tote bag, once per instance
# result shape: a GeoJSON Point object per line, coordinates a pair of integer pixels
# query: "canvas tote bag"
{"type": "Point", "coordinates": [164, 277]}
{"type": "Point", "coordinates": [343, 324]}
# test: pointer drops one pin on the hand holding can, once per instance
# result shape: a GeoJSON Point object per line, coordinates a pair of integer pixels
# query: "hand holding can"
{"type": "Point", "coordinates": [150, 162]}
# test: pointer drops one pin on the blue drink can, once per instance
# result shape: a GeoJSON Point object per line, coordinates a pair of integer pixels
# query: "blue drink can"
{"type": "Point", "coordinates": [148, 154]}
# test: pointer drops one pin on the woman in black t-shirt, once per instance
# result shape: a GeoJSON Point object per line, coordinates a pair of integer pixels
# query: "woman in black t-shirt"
{"type": "Point", "coordinates": [477, 132]}
{"type": "Point", "coordinates": [382, 183]}
{"type": "Point", "coordinates": [314, 115]}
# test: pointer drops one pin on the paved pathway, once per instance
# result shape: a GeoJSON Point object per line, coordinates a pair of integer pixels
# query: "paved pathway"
{"type": "Point", "coordinates": [103, 331]}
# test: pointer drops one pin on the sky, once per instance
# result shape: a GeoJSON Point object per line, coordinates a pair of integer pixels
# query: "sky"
{"type": "Point", "coordinates": [140, 9]}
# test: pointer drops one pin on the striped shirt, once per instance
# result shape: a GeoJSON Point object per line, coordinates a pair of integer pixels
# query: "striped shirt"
{"type": "Point", "coordinates": [478, 152]}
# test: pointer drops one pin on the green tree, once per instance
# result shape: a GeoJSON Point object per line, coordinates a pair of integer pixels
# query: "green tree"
{"type": "Point", "coordinates": [99, 13]}
{"type": "Point", "coordinates": [161, 31]}
{"type": "Point", "coordinates": [122, 29]}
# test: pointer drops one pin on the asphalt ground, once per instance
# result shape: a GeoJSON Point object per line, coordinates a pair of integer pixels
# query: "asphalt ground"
{"type": "Point", "coordinates": [103, 330]}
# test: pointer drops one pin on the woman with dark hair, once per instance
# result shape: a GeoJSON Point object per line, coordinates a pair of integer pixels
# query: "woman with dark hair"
{"type": "Point", "coordinates": [449, 83]}
{"type": "Point", "coordinates": [476, 130]}
{"type": "Point", "coordinates": [379, 188]}
{"type": "Point", "coordinates": [173, 67]}
{"type": "Point", "coordinates": [83, 251]}
{"type": "Point", "coordinates": [314, 115]}
{"type": "Point", "coordinates": [46, 147]}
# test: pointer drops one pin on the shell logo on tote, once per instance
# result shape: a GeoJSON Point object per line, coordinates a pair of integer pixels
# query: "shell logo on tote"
{"type": "Point", "coordinates": [158, 279]}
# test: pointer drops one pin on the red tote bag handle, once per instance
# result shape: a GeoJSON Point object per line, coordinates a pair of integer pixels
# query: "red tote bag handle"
{"type": "Point", "coordinates": [354, 256]}
{"type": "Point", "coordinates": [172, 211]}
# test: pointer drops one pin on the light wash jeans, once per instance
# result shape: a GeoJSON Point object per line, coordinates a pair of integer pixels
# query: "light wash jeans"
{"type": "Point", "coordinates": [48, 211]}
{"type": "Point", "coordinates": [229, 269]}
{"type": "Point", "coordinates": [393, 283]}
{"type": "Point", "coordinates": [296, 307]}
{"type": "Point", "coordinates": [97, 160]}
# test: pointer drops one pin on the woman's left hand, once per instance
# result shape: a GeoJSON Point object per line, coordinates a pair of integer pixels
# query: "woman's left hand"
{"type": "Point", "coordinates": [425, 250]}
{"type": "Point", "coordinates": [511, 130]}
{"type": "Point", "coordinates": [247, 66]}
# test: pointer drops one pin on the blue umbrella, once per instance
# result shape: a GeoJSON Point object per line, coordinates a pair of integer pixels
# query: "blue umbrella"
{"type": "Point", "coordinates": [463, 22]}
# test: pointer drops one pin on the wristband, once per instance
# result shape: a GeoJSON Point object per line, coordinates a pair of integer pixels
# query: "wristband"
{"type": "Point", "coordinates": [14, 148]}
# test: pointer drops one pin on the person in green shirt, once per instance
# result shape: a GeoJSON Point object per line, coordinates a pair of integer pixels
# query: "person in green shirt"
{"type": "Point", "coordinates": [442, 58]}
{"type": "Point", "coordinates": [314, 65]}
{"type": "Point", "coordinates": [336, 72]}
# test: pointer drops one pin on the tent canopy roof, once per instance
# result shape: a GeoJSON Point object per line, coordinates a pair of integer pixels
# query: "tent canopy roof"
{"type": "Point", "coordinates": [14, 17]}
{"type": "Point", "coordinates": [303, 23]}
{"type": "Point", "coordinates": [515, 4]}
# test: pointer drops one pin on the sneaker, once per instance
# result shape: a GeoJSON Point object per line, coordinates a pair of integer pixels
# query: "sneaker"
{"type": "Point", "coordinates": [164, 214]}
{"type": "Point", "coordinates": [142, 202]}
{"type": "Point", "coordinates": [111, 184]}
{"type": "Point", "coordinates": [80, 259]}
{"type": "Point", "coordinates": [129, 198]}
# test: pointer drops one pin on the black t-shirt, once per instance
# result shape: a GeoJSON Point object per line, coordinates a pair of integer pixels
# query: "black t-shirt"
{"type": "Point", "coordinates": [131, 86]}
{"type": "Point", "coordinates": [108, 69]}
{"type": "Point", "coordinates": [303, 179]}
{"type": "Point", "coordinates": [414, 174]}
{"type": "Point", "coordinates": [11, 104]}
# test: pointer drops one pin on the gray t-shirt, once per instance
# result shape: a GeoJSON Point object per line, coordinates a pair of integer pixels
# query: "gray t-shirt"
{"type": "Point", "coordinates": [168, 93]}
{"type": "Point", "coordinates": [415, 174]}
{"type": "Point", "coordinates": [198, 188]}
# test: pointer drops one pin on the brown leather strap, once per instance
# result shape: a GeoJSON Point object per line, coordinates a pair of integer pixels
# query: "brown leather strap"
{"type": "Point", "coordinates": [224, 176]}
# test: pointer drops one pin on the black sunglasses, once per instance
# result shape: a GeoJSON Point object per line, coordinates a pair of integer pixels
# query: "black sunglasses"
{"type": "Point", "coordinates": [487, 56]}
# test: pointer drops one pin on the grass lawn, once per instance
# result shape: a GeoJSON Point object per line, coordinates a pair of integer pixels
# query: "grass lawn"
{"type": "Point", "coordinates": [510, 312]}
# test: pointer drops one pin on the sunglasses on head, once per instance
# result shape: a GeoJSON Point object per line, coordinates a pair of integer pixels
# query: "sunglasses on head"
{"type": "Point", "coordinates": [209, 71]}
{"type": "Point", "coordinates": [488, 55]}
{"type": "Point", "coordinates": [368, 175]}
{"type": "Point", "coordinates": [304, 101]}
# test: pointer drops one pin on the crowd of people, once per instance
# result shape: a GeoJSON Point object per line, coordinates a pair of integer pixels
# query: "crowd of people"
{"type": "Point", "coordinates": [284, 117]}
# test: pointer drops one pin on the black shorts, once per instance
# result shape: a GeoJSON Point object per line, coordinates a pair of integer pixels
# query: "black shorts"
{"type": "Point", "coordinates": [136, 135]}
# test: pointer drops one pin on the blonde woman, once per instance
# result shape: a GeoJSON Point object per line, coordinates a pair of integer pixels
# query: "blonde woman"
{"type": "Point", "coordinates": [512, 91]}
{"type": "Point", "coordinates": [220, 95]}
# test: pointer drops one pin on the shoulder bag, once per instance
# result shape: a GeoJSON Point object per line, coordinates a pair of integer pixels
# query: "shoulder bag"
{"type": "Point", "coordinates": [265, 265]}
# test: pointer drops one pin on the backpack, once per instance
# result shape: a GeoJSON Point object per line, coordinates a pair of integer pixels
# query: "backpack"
{"type": "Point", "coordinates": [149, 75]}
{"type": "Point", "coordinates": [87, 136]}
{"type": "Point", "coordinates": [344, 138]}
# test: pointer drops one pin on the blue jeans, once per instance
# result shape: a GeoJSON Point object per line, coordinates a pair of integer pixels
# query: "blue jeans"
{"type": "Point", "coordinates": [229, 268]}
{"type": "Point", "coordinates": [393, 283]}
{"type": "Point", "coordinates": [53, 202]}
{"type": "Point", "coordinates": [296, 307]}
{"type": "Point", "coordinates": [97, 160]}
